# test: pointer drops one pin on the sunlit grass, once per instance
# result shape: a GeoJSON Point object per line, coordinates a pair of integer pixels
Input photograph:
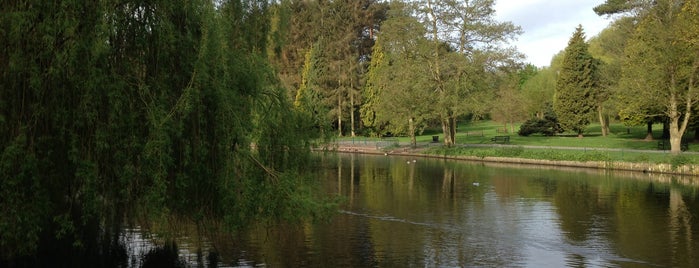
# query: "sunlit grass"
{"type": "Point", "coordinates": [624, 140]}
{"type": "Point", "coordinates": [563, 155]}
{"type": "Point", "coordinates": [621, 137]}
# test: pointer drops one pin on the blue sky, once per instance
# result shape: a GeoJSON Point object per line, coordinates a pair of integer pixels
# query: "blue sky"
{"type": "Point", "coordinates": [548, 24]}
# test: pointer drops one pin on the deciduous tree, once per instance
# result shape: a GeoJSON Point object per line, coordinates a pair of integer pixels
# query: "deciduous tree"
{"type": "Point", "coordinates": [467, 28]}
{"type": "Point", "coordinates": [662, 64]}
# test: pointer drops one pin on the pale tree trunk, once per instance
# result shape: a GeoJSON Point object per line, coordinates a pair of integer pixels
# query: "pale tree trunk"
{"type": "Point", "coordinates": [677, 128]}
{"type": "Point", "coordinates": [603, 121]}
{"type": "Point", "coordinates": [446, 131]}
{"type": "Point", "coordinates": [452, 129]}
{"type": "Point", "coordinates": [445, 118]}
{"type": "Point", "coordinates": [411, 128]}
{"type": "Point", "coordinates": [351, 111]}
{"type": "Point", "coordinates": [350, 91]}
{"type": "Point", "coordinates": [339, 115]}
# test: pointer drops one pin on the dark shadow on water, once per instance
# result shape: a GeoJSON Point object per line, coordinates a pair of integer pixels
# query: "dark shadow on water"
{"type": "Point", "coordinates": [163, 256]}
{"type": "Point", "coordinates": [62, 254]}
{"type": "Point", "coordinates": [213, 259]}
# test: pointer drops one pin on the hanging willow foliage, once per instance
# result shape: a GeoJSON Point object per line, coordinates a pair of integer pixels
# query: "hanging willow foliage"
{"type": "Point", "coordinates": [110, 105]}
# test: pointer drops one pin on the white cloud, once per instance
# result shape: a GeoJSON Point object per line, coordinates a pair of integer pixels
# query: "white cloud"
{"type": "Point", "coordinates": [549, 24]}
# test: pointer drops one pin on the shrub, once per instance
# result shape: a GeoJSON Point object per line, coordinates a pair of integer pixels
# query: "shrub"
{"type": "Point", "coordinates": [547, 126]}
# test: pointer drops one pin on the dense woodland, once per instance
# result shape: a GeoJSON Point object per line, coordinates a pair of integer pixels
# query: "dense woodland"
{"type": "Point", "coordinates": [168, 106]}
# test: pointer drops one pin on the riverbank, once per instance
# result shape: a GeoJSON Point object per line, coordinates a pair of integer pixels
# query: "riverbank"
{"type": "Point", "coordinates": [420, 151]}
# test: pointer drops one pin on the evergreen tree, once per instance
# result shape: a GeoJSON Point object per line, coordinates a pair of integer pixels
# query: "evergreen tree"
{"type": "Point", "coordinates": [574, 99]}
{"type": "Point", "coordinates": [372, 89]}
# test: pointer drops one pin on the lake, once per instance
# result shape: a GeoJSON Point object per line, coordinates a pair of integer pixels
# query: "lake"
{"type": "Point", "coordinates": [420, 212]}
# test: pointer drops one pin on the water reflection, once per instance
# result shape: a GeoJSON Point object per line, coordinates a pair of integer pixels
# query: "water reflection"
{"type": "Point", "coordinates": [406, 212]}
{"type": "Point", "coordinates": [439, 213]}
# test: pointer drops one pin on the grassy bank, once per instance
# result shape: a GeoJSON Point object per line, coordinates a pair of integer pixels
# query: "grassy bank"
{"type": "Point", "coordinates": [583, 155]}
{"type": "Point", "coordinates": [621, 145]}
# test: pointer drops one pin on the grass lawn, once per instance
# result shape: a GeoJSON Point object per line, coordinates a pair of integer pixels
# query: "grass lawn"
{"type": "Point", "coordinates": [621, 137]}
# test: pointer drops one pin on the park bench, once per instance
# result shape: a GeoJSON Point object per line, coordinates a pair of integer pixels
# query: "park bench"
{"type": "Point", "coordinates": [665, 145]}
{"type": "Point", "coordinates": [501, 139]}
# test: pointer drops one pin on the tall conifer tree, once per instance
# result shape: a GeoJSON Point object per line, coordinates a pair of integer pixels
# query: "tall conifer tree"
{"type": "Point", "coordinates": [574, 101]}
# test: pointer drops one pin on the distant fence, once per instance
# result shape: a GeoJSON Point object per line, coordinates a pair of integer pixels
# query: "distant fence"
{"type": "Point", "coordinates": [387, 142]}
{"type": "Point", "coordinates": [370, 142]}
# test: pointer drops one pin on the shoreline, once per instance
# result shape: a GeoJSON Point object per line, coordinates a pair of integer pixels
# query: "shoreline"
{"type": "Point", "coordinates": [652, 168]}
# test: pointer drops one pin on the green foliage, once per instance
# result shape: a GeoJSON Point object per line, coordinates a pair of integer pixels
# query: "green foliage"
{"type": "Point", "coordinates": [681, 160]}
{"type": "Point", "coordinates": [167, 107]}
{"type": "Point", "coordinates": [372, 89]}
{"type": "Point", "coordinates": [462, 73]}
{"type": "Point", "coordinates": [574, 100]}
{"type": "Point", "coordinates": [23, 199]}
{"type": "Point", "coordinates": [342, 35]}
{"type": "Point", "coordinates": [547, 126]}
{"type": "Point", "coordinates": [399, 100]}
{"type": "Point", "coordinates": [611, 7]}
{"type": "Point", "coordinates": [659, 72]}
{"type": "Point", "coordinates": [538, 91]}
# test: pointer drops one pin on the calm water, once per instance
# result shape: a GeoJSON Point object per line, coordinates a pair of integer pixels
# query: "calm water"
{"type": "Point", "coordinates": [436, 213]}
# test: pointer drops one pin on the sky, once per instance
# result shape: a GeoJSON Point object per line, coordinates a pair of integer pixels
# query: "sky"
{"type": "Point", "coordinates": [549, 24]}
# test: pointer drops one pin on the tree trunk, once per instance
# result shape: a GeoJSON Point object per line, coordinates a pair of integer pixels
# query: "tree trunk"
{"type": "Point", "coordinates": [649, 132]}
{"type": "Point", "coordinates": [676, 127]}
{"type": "Point", "coordinates": [411, 129]}
{"type": "Point", "coordinates": [339, 115]}
{"type": "Point", "coordinates": [603, 121]}
{"type": "Point", "coordinates": [675, 138]}
{"type": "Point", "coordinates": [452, 129]}
{"type": "Point", "coordinates": [351, 111]}
{"type": "Point", "coordinates": [446, 131]}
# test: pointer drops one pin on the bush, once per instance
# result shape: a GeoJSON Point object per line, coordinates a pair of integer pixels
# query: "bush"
{"type": "Point", "coordinates": [548, 126]}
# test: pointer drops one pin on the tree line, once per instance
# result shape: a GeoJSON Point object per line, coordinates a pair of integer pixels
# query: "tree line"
{"type": "Point", "coordinates": [430, 63]}
{"type": "Point", "coordinates": [641, 69]}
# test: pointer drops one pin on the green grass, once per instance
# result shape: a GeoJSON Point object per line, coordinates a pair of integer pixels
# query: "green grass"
{"type": "Point", "coordinates": [621, 137]}
{"type": "Point", "coordinates": [565, 155]}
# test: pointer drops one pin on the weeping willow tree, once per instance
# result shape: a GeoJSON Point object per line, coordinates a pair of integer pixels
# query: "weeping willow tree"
{"type": "Point", "coordinates": [171, 108]}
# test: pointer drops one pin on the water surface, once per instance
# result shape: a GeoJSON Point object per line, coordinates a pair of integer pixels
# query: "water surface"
{"type": "Point", "coordinates": [418, 212]}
